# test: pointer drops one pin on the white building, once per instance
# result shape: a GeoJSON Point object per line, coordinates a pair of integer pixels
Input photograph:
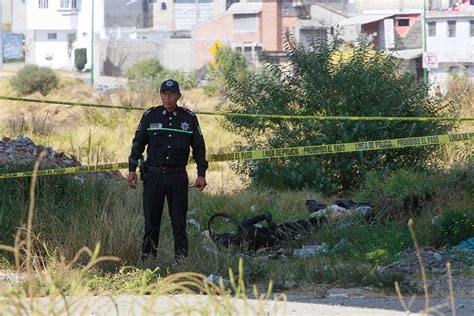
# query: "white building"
{"type": "Point", "coordinates": [451, 39]}
{"type": "Point", "coordinates": [14, 13]}
{"type": "Point", "coordinates": [51, 31]}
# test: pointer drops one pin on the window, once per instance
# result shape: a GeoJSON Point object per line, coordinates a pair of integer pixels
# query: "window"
{"type": "Point", "coordinates": [245, 23]}
{"type": "Point", "coordinates": [431, 29]}
{"type": "Point", "coordinates": [52, 36]}
{"type": "Point", "coordinates": [451, 28]}
{"type": "Point", "coordinates": [68, 4]}
{"type": "Point", "coordinates": [163, 6]}
{"type": "Point", "coordinates": [471, 28]}
{"type": "Point", "coordinates": [403, 22]}
{"type": "Point", "coordinates": [43, 4]}
{"type": "Point", "coordinates": [153, 1]}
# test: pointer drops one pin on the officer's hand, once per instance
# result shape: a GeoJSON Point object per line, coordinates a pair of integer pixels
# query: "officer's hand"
{"type": "Point", "coordinates": [200, 183]}
{"type": "Point", "coordinates": [132, 180]}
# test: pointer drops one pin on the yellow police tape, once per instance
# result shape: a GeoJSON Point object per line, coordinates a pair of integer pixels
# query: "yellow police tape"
{"type": "Point", "coordinates": [250, 115]}
{"type": "Point", "coordinates": [279, 153]}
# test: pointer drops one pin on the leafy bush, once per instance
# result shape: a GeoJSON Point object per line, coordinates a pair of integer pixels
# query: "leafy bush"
{"type": "Point", "coordinates": [147, 75]}
{"type": "Point", "coordinates": [322, 80]}
{"type": "Point", "coordinates": [32, 78]}
{"type": "Point", "coordinates": [80, 58]}
{"type": "Point", "coordinates": [455, 226]}
{"type": "Point", "coordinates": [228, 63]}
{"type": "Point", "coordinates": [147, 69]}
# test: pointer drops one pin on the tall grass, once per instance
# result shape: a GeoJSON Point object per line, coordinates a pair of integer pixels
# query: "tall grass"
{"type": "Point", "coordinates": [66, 283]}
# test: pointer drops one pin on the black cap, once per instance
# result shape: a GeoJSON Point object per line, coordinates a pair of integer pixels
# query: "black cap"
{"type": "Point", "coordinates": [170, 84]}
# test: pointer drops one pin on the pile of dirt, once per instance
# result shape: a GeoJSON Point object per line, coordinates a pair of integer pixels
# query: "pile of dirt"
{"type": "Point", "coordinates": [22, 151]}
{"type": "Point", "coordinates": [434, 261]}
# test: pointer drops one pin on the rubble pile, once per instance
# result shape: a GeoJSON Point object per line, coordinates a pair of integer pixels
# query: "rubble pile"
{"type": "Point", "coordinates": [433, 261]}
{"type": "Point", "coordinates": [23, 151]}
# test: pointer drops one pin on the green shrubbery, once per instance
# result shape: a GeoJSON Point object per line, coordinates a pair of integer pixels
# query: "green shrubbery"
{"type": "Point", "coordinates": [80, 58]}
{"type": "Point", "coordinates": [148, 74]}
{"type": "Point", "coordinates": [320, 80]}
{"type": "Point", "coordinates": [32, 78]}
{"type": "Point", "coordinates": [228, 63]}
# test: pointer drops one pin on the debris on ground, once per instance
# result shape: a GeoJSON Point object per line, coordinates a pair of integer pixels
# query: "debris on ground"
{"type": "Point", "coordinates": [194, 223]}
{"type": "Point", "coordinates": [217, 280]}
{"type": "Point", "coordinates": [23, 151]}
{"type": "Point", "coordinates": [311, 250]}
{"type": "Point", "coordinates": [10, 278]}
{"type": "Point", "coordinates": [434, 261]}
{"type": "Point", "coordinates": [339, 210]}
{"type": "Point", "coordinates": [466, 244]}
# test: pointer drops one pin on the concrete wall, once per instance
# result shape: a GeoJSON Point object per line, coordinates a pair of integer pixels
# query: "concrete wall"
{"type": "Point", "coordinates": [51, 53]}
{"type": "Point", "coordinates": [114, 57]}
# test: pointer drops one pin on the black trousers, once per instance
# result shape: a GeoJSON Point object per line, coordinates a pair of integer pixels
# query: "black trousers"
{"type": "Point", "coordinates": [173, 186]}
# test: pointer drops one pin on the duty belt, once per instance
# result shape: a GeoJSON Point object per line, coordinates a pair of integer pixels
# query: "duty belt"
{"type": "Point", "coordinates": [165, 169]}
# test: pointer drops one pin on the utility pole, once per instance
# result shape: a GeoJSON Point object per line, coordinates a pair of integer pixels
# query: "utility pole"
{"type": "Point", "coordinates": [92, 44]}
{"type": "Point", "coordinates": [425, 42]}
{"type": "Point", "coordinates": [1, 36]}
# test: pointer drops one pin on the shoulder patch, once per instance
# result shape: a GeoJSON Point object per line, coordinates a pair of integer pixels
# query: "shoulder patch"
{"type": "Point", "coordinates": [148, 111]}
{"type": "Point", "coordinates": [189, 112]}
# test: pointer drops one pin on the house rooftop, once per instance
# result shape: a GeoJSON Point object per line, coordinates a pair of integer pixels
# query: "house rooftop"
{"type": "Point", "coordinates": [363, 19]}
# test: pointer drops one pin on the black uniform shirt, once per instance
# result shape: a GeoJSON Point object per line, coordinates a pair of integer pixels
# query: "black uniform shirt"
{"type": "Point", "coordinates": [169, 136]}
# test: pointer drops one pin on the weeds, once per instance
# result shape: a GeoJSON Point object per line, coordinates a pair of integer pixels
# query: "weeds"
{"type": "Point", "coordinates": [67, 287]}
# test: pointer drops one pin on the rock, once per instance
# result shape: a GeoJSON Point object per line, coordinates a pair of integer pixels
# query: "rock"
{"type": "Point", "coordinates": [437, 256]}
{"type": "Point", "coordinates": [311, 250]}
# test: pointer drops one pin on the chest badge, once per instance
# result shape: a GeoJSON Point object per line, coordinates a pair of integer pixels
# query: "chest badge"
{"type": "Point", "coordinates": [184, 126]}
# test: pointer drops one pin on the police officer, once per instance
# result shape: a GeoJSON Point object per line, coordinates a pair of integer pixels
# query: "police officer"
{"type": "Point", "coordinates": [168, 131]}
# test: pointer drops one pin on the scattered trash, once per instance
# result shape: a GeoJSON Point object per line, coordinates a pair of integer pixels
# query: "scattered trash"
{"type": "Point", "coordinates": [11, 278]}
{"type": "Point", "coordinates": [253, 208]}
{"type": "Point", "coordinates": [311, 250]}
{"type": "Point", "coordinates": [195, 223]}
{"type": "Point", "coordinates": [338, 210]}
{"type": "Point", "coordinates": [217, 280]}
{"type": "Point", "coordinates": [466, 244]}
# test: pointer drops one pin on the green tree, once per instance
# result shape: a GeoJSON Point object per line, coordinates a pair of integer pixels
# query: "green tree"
{"type": "Point", "coordinates": [146, 69]}
{"type": "Point", "coordinates": [227, 64]}
{"type": "Point", "coordinates": [32, 78]}
{"type": "Point", "coordinates": [80, 58]}
{"type": "Point", "coordinates": [322, 80]}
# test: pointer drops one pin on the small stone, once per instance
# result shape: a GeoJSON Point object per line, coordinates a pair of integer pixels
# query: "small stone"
{"type": "Point", "coordinates": [437, 256]}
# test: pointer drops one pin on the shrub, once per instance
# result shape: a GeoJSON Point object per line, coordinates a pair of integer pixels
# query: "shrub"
{"type": "Point", "coordinates": [147, 69]}
{"type": "Point", "coordinates": [322, 80]}
{"type": "Point", "coordinates": [80, 58]}
{"type": "Point", "coordinates": [32, 78]}
{"type": "Point", "coordinates": [228, 63]}
{"type": "Point", "coordinates": [455, 226]}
